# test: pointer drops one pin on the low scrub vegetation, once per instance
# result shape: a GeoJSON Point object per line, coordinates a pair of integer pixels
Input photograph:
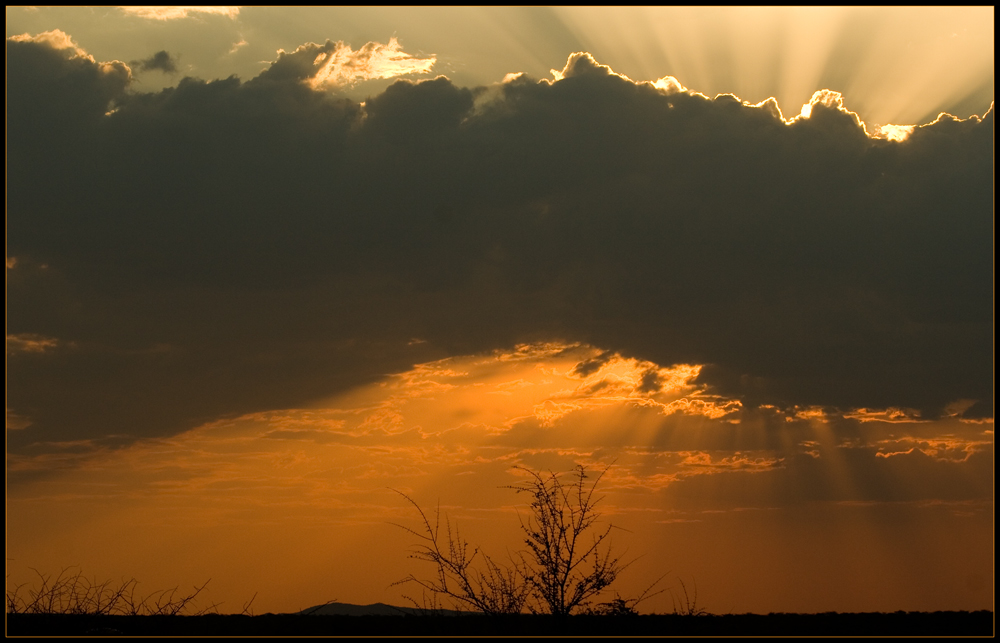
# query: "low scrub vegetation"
{"type": "Point", "coordinates": [567, 565]}
{"type": "Point", "coordinates": [70, 592]}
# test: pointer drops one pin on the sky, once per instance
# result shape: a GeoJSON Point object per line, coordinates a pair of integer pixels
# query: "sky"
{"type": "Point", "coordinates": [267, 267]}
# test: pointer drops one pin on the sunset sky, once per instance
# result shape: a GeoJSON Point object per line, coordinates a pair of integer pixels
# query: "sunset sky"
{"type": "Point", "coordinates": [267, 265]}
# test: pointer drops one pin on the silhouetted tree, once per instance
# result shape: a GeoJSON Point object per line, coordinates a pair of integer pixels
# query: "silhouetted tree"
{"type": "Point", "coordinates": [568, 560]}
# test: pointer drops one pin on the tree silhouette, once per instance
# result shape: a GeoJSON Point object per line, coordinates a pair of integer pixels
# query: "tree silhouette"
{"type": "Point", "coordinates": [566, 569]}
{"type": "Point", "coordinates": [567, 563]}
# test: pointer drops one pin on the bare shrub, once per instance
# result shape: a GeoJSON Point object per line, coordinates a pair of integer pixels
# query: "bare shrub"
{"type": "Point", "coordinates": [568, 561]}
{"type": "Point", "coordinates": [566, 569]}
{"type": "Point", "coordinates": [688, 605]}
{"type": "Point", "coordinates": [495, 588]}
{"type": "Point", "coordinates": [619, 606]}
{"type": "Point", "coordinates": [70, 592]}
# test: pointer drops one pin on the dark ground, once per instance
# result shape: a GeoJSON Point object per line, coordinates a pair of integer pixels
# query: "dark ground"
{"type": "Point", "coordinates": [831, 624]}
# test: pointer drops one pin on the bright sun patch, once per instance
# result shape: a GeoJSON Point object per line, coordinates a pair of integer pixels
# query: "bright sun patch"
{"type": "Point", "coordinates": [896, 133]}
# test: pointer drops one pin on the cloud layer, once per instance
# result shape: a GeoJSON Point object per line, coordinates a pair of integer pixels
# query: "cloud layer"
{"type": "Point", "coordinates": [177, 13]}
{"type": "Point", "coordinates": [228, 247]}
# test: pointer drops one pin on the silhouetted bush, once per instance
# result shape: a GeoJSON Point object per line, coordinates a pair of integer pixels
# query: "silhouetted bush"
{"type": "Point", "coordinates": [73, 593]}
{"type": "Point", "coordinates": [567, 563]}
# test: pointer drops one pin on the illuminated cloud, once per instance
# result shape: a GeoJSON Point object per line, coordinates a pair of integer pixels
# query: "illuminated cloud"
{"type": "Point", "coordinates": [177, 13]}
{"type": "Point", "coordinates": [830, 100]}
{"type": "Point", "coordinates": [489, 412]}
{"type": "Point", "coordinates": [56, 39]}
{"type": "Point", "coordinates": [944, 449]}
{"type": "Point", "coordinates": [813, 413]}
{"type": "Point", "coordinates": [582, 63]}
{"type": "Point", "coordinates": [242, 42]}
{"type": "Point", "coordinates": [895, 132]}
{"type": "Point", "coordinates": [670, 85]}
{"type": "Point", "coordinates": [335, 64]}
{"type": "Point", "coordinates": [30, 343]}
{"type": "Point", "coordinates": [893, 415]}
{"type": "Point", "coordinates": [702, 461]}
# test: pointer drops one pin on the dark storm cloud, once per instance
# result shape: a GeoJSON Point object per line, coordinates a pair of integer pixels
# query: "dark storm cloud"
{"type": "Point", "coordinates": [222, 247]}
{"type": "Point", "coordinates": [161, 60]}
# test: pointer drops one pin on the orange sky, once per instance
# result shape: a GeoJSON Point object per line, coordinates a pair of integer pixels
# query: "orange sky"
{"type": "Point", "coordinates": [296, 504]}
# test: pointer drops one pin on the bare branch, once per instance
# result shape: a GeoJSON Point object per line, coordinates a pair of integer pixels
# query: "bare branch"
{"type": "Point", "coordinates": [73, 593]}
{"type": "Point", "coordinates": [566, 563]}
{"type": "Point", "coordinates": [489, 587]}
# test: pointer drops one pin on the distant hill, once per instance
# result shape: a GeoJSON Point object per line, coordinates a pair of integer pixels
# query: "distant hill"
{"type": "Point", "coordinates": [375, 609]}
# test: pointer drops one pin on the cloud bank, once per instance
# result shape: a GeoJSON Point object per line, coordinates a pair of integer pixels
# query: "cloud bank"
{"type": "Point", "coordinates": [228, 247]}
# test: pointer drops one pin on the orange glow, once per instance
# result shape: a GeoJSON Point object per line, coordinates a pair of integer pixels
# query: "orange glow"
{"type": "Point", "coordinates": [306, 492]}
{"type": "Point", "coordinates": [947, 448]}
{"type": "Point", "coordinates": [885, 415]}
{"type": "Point", "coordinates": [30, 343]}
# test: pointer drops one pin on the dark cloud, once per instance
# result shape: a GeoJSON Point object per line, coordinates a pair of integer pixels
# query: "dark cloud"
{"type": "Point", "coordinates": [650, 382]}
{"type": "Point", "coordinates": [161, 61]}
{"type": "Point", "coordinates": [279, 244]}
{"type": "Point", "coordinates": [586, 367]}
